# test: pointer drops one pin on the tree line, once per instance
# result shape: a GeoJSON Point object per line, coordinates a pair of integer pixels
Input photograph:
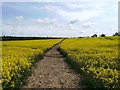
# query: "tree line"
{"type": "Point", "coordinates": [7, 38]}
{"type": "Point", "coordinates": [103, 35]}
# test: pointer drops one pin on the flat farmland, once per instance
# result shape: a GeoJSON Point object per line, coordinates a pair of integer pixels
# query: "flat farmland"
{"type": "Point", "coordinates": [96, 58]}
{"type": "Point", "coordinates": [96, 61]}
{"type": "Point", "coordinates": [18, 57]}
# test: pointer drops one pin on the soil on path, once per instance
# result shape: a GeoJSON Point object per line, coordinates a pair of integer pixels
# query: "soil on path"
{"type": "Point", "coordinates": [53, 72]}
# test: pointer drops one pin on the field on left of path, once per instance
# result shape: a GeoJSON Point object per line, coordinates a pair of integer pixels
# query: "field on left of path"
{"type": "Point", "coordinates": [18, 57]}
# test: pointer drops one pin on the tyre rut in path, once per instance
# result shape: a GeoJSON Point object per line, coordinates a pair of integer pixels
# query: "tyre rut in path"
{"type": "Point", "coordinates": [53, 72]}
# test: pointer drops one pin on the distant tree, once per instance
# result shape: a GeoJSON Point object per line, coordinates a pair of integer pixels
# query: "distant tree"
{"type": "Point", "coordinates": [95, 35]}
{"type": "Point", "coordinates": [117, 34]}
{"type": "Point", "coordinates": [102, 35]}
{"type": "Point", "coordinates": [80, 37]}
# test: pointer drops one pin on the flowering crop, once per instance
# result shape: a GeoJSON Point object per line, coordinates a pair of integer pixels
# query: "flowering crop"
{"type": "Point", "coordinates": [96, 58]}
{"type": "Point", "coordinates": [18, 57]}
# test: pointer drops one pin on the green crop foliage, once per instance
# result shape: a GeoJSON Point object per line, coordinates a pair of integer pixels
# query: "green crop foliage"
{"type": "Point", "coordinates": [18, 57]}
{"type": "Point", "coordinates": [96, 58]}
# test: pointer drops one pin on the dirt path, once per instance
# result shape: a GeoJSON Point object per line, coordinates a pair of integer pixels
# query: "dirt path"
{"type": "Point", "coordinates": [53, 72]}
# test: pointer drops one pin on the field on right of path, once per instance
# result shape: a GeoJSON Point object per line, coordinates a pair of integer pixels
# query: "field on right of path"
{"type": "Point", "coordinates": [96, 59]}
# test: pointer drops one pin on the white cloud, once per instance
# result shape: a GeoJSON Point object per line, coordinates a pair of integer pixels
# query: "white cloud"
{"type": "Point", "coordinates": [45, 21]}
{"type": "Point", "coordinates": [59, 1]}
{"type": "Point", "coordinates": [88, 25]}
{"type": "Point", "coordinates": [80, 15]}
{"type": "Point", "coordinates": [87, 12]}
{"type": "Point", "coordinates": [114, 29]}
{"type": "Point", "coordinates": [50, 8]}
{"type": "Point", "coordinates": [42, 29]}
{"type": "Point", "coordinates": [19, 18]}
{"type": "Point", "coordinates": [75, 5]}
{"type": "Point", "coordinates": [74, 21]}
{"type": "Point", "coordinates": [74, 13]}
{"type": "Point", "coordinates": [11, 24]}
{"type": "Point", "coordinates": [87, 6]}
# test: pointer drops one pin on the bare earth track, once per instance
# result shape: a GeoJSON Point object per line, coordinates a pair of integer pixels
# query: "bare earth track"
{"type": "Point", "coordinates": [53, 72]}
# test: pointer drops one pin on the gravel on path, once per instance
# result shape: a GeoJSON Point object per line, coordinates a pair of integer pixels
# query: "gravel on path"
{"type": "Point", "coordinates": [53, 72]}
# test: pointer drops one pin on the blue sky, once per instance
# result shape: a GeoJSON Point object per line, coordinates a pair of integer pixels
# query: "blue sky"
{"type": "Point", "coordinates": [67, 19]}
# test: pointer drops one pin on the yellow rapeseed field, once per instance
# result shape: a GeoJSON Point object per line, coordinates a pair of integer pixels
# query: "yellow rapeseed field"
{"type": "Point", "coordinates": [96, 58]}
{"type": "Point", "coordinates": [18, 57]}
